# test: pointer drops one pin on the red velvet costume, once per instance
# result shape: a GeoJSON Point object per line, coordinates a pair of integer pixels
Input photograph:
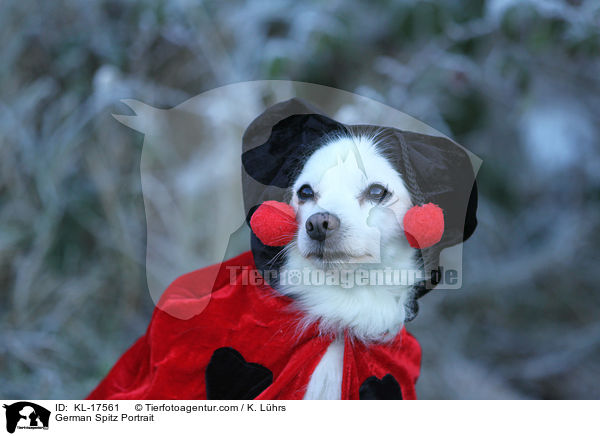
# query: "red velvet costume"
{"type": "Point", "coordinates": [170, 361]}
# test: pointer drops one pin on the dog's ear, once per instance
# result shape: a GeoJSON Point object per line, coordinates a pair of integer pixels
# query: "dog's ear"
{"type": "Point", "coordinates": [291, 142]}
{"type": "Point", "coordinates": [436, 170]}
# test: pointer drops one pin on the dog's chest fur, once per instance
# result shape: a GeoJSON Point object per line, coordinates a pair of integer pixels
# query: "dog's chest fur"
{"type": "Point", "coordinates": [326, 381]}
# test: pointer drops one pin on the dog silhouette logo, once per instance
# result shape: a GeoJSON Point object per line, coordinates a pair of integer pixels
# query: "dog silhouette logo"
{"type": "Point", "coordinates": [26, 415]}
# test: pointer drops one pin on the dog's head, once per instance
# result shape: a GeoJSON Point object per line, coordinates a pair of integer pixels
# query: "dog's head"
{"type": "Point", "coordinates": [349, 201]}
{"type": "Point", "coordinates": [350, 187]}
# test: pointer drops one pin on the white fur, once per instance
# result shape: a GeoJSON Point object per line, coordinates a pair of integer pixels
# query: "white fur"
{"type": "Point", "coordinates": [326, 382]}
{"type": "Point", "coordinates": [370, 236]}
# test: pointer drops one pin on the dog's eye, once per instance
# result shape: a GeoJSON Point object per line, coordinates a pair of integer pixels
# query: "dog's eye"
{"type": "Point", "coordinates": [305, 193]}
{"type": "Point", "coordinates": [377, 192]}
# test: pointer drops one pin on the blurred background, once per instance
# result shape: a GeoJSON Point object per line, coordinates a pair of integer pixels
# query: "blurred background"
{"type": "Point", "coordinates": [515, 82]}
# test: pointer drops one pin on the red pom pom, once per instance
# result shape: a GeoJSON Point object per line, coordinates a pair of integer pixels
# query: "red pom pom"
{"type": "Point", "coordinates": [274, 223]}
{"type": "Point", "coordinates": [424, 225]}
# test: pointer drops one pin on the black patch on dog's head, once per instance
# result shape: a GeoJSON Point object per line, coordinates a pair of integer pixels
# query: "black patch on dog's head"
{"type": "Point", "coordinates": [293, 140]}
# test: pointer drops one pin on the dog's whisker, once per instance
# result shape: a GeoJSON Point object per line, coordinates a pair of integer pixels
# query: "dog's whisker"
{"type": "Point", "coordinates": [281, 253]}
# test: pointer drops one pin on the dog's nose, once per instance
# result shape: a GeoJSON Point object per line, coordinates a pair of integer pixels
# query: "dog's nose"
{"type": "Point", "coordinates": [320, 225]}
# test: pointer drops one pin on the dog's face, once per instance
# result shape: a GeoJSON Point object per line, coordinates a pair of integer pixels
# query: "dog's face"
{"type": "Point", "coordinates": [350, 202]}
